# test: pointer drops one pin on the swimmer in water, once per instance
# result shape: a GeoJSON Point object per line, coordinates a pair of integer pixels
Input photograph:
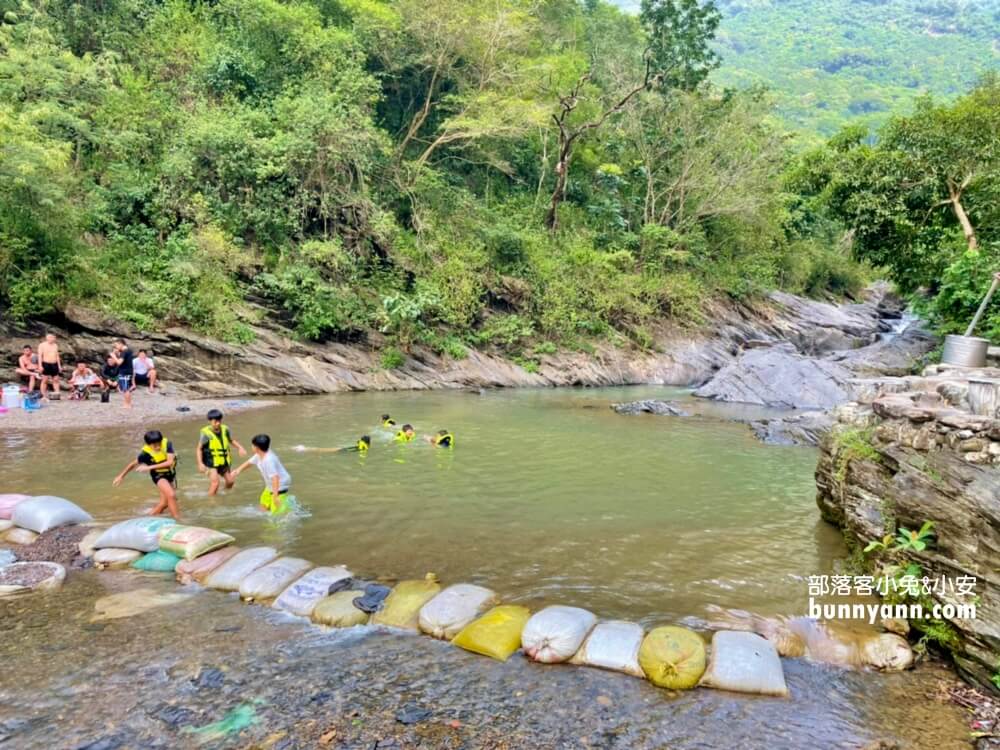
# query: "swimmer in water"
{"type": "Point", "coordinates": [362, 446]}
{"type": "Point", "coordinates": [406, 434]}
{"type": "Point", "coordinates": [387, 421]}
{"type": "Point", "coordinates": [443, 439]}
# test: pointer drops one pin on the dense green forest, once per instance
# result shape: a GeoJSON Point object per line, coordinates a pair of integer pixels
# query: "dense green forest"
{"type": "Point", "coordinates": [509, 174]}
{"type": "Point", "coordinates": [858, 61]}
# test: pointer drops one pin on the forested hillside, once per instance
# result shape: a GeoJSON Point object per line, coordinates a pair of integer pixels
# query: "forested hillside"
{"type": "Point", "coordinates": [504, 174]}
{"type": "Point", "coordinates": [834, 61]}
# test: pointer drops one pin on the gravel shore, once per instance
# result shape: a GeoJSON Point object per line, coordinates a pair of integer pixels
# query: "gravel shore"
{"type": "Point", "coordinates": [163, 406]}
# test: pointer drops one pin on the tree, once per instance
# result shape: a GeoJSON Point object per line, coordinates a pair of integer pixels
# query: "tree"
{"type": "Point", "coordinates": [677, 55]}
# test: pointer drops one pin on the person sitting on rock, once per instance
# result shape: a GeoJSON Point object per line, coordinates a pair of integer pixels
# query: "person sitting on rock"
{"type": "Point", "coordinates": [109, 375]}
{"type": "Point", "coordinates": [28, 367]}
{"type": "Point", "coordinates": [82, 379]}
{"type": "Point", "coordinates": [144, 369]}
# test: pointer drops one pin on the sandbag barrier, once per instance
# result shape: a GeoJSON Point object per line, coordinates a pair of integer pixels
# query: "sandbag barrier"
{"type": "Point", "coordinates": [469, 616]}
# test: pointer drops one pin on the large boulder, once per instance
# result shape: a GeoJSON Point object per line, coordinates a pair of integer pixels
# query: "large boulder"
{"type": "Point", "coordinates": [779, 376]}
{"type": "Point", "coordinates": [807, 428]}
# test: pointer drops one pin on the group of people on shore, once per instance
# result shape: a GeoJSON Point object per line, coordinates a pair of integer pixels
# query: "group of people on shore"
{"type": "Point", "coordinates": [214, 454]}
{"type": "Point", "coordinates": [122, 371]}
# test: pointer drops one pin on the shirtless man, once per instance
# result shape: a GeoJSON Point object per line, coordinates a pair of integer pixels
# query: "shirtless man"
{"type": "Point", "coordinates": [48, 353]}
{"type": "Point", "coordinates": [28, 367]}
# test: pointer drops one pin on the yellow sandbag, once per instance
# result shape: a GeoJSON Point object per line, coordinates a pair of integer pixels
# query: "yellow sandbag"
{"type": "Point", "coordinates": [673, 657]}
{"type": "Point", "coordinates": [402, 607]}
{"type": "Point", "coordinates": [496, 634]}
{"type": "Point", "coordinates": [338, 610]}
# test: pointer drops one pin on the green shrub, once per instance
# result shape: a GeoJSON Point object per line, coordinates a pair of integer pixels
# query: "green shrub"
{"type": "Point", "coordinates": [392, 358]}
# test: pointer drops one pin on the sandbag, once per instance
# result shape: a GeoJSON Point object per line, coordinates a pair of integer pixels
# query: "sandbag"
{"type": "Point", "coordinates": [8, 503]}
{"type": "Point", "coordinates": [111, 557]}
{"type": "Point", "coordinates": [33, 576]}
{"type": "Point", "coordinates": [18, 535]}
{"type": "Point", "coordinates": [496, 634]}
{"type": "Point", "coordinates": [454, 608]}
{"type": "Point", "coordinates": [744, 663]}
{"type": "Point", "coordinates": [888, 651]}
{"type": "Point", "coordinates": [302, 596]}
{"type": "Point", "coordinates": [229, 575]}
{"type": "Point", "coordinates": [45, 512]}
{"type": "Point", "coordinates": [86, 545]}
{"type": "Point", "coordinates": [197, 570]}
{"type": "Point", "coordinates": [672, 657]}
{"type": "Point", "coordinates": [338, 610]}
{"type": "Point", "coordinates": [612, 645]}
{"type": "Point", "coordinates": [141, 534]}
{"type": "Point", "coordinates": [269, 581]}
{"type": "Point", "coordinates": [555, 633]}
{"type": "Point", "coordinates": [402, 606]}
{"type": "Point", "coordinates": [5, 526]}
{"type": "Point", "coordinates": [157, 562]}
{"type": "Point", "coordinates": [190, 542]}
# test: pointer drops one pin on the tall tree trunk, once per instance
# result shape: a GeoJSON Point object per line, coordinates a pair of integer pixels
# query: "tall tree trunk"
{"type": "Point", "coordinates": [562, 170]}
{"type": "Point", "coordinates": [955, 198]}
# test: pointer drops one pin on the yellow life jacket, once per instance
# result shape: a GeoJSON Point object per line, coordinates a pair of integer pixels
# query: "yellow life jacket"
{"type": "Point", "coordinates": [159, 455]}
{"type": "Point", "coordinates": [402, 437]}
{"type": "Point", "coordinates": [216, 451]}
{"type": "Point", "coordinates": [362, 446]}
{"type": "Point", "coordinates": [389, 423]}
{"type": "Point", "coordinates": [447, 440]}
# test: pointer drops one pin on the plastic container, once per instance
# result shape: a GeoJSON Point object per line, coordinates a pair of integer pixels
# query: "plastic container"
{"type": "Point", "coordinates": [32, 401]}
{"type": "Point", "coordinates": [965, 351]}
{"type": "Point", "coordinates": [11, 397]}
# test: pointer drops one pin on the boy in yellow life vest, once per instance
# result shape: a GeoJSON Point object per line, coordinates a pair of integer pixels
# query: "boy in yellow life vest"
{"type": "Point", "coordinates": [215, 452]}
{"type": "Point", "coordinates": [443, 439]}
{"type": "Point", "coordinates": [405, 434]}
{"type": "Point", "coordinates": [157, 458]}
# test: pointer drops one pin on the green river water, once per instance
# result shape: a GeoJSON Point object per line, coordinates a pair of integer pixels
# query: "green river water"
{"type": "Point", "coordinates": [548, 497]}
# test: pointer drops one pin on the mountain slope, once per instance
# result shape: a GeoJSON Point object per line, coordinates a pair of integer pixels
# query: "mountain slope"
{"type": "Point", "coordinates": [837, 60]}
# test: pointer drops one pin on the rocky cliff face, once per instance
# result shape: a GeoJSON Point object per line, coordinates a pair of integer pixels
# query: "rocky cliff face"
{"type": "Point", "coordinates": [275, 363]}
{"type": "Point", "coordinates": [926, 448]}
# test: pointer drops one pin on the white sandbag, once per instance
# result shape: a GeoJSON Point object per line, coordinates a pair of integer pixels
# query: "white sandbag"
{"type": "Point", "coordinates": [612, 645]}
{"type": "Point", "coordinates": [111, 557]}
{"type": "Point", "coordinates": [454, 608]}
{"type": "Point", "coordinates": [142, 534]}
{"type": "Point", "coordinates": [270, 580]}
{"type": "Point", "coordinates": [5, 526]}
{"type": "Point", "coordinates": [86, 545]}
{"type": "Point", "coordinates": [18, 535]}
{"type": "Point", "coordinates": [744, 663]}
{"type": "Point", "coordinates": [9, 502]}
{"type": "Point", "coordinates": [555, 633]}
{"type": "Point", "coordinates": [45, 512]}
{"type": "Point", "coordinates": [302, 596]}
{"type": "Point", "coordinates": [229, 575]}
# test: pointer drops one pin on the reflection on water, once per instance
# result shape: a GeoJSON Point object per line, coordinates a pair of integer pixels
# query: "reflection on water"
{"type": "Point", "coordinates": [548, 496]}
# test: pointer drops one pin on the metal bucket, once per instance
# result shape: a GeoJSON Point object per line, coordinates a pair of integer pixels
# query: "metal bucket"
{"type": "Point", "coordinates": [965, 351]}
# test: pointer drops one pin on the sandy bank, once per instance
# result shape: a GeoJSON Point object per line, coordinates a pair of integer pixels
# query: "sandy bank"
{"type": "Point", "coordinates": [146, 408]}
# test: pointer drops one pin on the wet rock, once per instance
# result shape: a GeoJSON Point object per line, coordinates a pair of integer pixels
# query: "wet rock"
{"type": "Point", "coordinates": [175, 716]}
{"type": "Point", "coordinates": [801, 429]}
{"type": "Point", "coordinates": [412, 714]}
{"type": "Point", "coordinates": [780, 377]}
{"type": "Point", "coordinates": [110, 742]}
{"type": "Point", "coordinates": [210, 679]}
{"type": "Point", "coordinates": [660, 408]}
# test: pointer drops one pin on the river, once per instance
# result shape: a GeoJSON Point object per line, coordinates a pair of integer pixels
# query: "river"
{"type": "Point", "coordinates": [547, 497]}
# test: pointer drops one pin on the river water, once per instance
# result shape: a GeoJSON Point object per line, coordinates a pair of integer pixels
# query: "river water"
{"type": "Point", "coordinates": [547, 497]}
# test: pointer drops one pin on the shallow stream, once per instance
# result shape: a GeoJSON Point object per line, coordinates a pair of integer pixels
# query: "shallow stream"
{"type": "Point", "coordinates": [547, 497]}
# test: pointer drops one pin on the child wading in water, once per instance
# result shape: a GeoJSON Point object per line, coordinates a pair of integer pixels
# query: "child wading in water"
{"type": "Point", "coordinates": [157, 457]}
{"type": "Point", "coordinates": [277, 480]}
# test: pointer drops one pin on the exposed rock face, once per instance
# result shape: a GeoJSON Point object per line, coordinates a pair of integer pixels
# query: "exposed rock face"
{"type": "Point", "coordinates": [782, 377]}
{"type": "Point", "coordinates": [807, 428]}
{"type": "Point", "coordinates": [660, 408]}
{"type": "Point", "coordinates": [275, 363]}
{"type": "Point", "coordinates": [924, 459]}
